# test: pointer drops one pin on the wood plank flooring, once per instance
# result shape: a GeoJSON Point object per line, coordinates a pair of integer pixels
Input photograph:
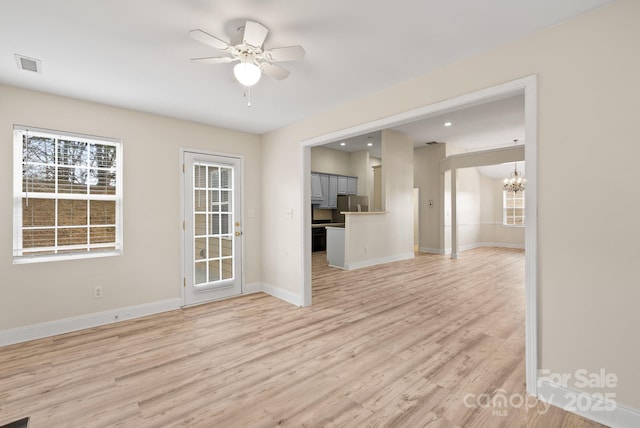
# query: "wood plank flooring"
{"type": "Point", "coordinates": [399, 345]}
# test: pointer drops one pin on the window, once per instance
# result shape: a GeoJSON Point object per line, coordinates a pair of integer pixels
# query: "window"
{"type": "Point", "coordinates": [67, 196]}
{"type": "Point", "coordinates": [513, 208]}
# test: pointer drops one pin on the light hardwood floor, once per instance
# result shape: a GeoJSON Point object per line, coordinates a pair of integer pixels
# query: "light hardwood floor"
{"type": "Point", "coordinates": [399, 344]}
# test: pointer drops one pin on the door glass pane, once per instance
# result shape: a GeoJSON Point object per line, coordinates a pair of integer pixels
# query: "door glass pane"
{"type": "Point", "coordinates": [200, 224]}
{"type": "Point", "coordinates": [199, 177]}
{"type": "Point", "coordinates": [225, 197]}
{"type": "Point", "coordinates": [214, 270]}
{"type": "Point", "coordinates": [214, 248]}
{"type": "Point", "coordinates": [200, 273]}
{"type": "Point", "coordinates": [200, 248]}
{"type": "Point", "coordinates": [225, 178]}
{"type": "Point", "coordinates": [225, 223]}
{"type": "Point", "coordinates": [227, 247]}
{"type": "Point", "coordinates": [213, 223]}
{"type": "Point", "coordinates": [227, 268]}
{"type": "Point", "coordinates": [200, 201]}
{"type": "Point", "coordinates": [214, 177]}
{"type": "Point", "coordinates": [214, 197]}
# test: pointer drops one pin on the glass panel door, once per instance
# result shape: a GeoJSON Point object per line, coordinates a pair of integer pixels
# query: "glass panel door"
{"type": "Point", "coordinates": [212, 228]}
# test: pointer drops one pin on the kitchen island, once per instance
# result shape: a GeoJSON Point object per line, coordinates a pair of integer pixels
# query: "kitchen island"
{"type": "Point", "coordinates": [335, 246]}
{"type": "Point", "coordinates": [365, 240]}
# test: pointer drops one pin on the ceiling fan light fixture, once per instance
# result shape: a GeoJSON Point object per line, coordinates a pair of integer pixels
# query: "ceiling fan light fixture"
{"type": "Point", "coordinates": [247, 73]}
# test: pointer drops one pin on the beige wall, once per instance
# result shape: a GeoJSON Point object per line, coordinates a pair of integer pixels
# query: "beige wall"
{"type": "Point", "coordinates": [330, 161]}
{"type": "Point", "coordinates": [469, 207]}
{"type": "Point", "coordinates": [426, 176]}
{"type": "Point", "coordinates": [149, 269]}
{"type": "Point", "coordinates": [372, 239]}
{"type": "Point", "coordinates": [360, 169]}
{"type": "Point", "coordinates": [588, 89]}
{"type": "Point", "coordinates": [353, 164]}
{"type": "Point", "coordinates": [480, 214]}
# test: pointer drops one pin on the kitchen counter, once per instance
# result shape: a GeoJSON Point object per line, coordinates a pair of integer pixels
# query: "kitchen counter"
{"type": "Point", "coordinates": [327, 225]}
{"type": "Point", "coordinates": [364, 212]}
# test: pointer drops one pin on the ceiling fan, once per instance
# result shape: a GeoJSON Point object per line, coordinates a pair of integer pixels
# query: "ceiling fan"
{"type": "Point", "coordinates": [246, 47]}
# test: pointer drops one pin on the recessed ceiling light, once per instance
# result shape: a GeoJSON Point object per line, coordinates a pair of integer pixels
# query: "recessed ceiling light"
{"type": "Point", "coordinates": [448, 124]}
{"type": "Point", "coordinates": [369, 144]}
{"type": "Point", "coordinates": [343, 144]}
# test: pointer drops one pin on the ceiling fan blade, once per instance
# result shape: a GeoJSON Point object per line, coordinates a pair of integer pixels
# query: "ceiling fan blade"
{"type": "Point", "coordinates": [289, 53]}
{"type": "Point", "coordinates": [213, 60]}
{"type": "Point", "coordinates": [210, 40]}
{"type": "Point", "coordinates": [254, 34]}
{"type": "Point", "coordinates": [274, 71]}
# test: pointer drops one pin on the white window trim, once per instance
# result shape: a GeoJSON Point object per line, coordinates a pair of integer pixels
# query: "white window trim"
{"type": "Point", "coordinates": [18, 194]}
{"type": "Point", "coordinates": [504, 212]}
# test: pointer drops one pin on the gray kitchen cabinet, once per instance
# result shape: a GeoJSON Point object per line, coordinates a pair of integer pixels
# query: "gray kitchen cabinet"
{"type": "Point", "coordinates": [325, 189]}
{"type": "Point", "coordinates": [324, 183]}
{"type": "Point", "coordinates": [352, 185]}
{"type": "Point", "coordinates": [333, 192]}
{"type": "Point", "coordinates": [342, 185]}
{"type": "Point", "coordinates": [316, 188]}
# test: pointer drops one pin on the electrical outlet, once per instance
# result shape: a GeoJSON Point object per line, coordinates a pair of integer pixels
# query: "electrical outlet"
{"type": "Point", "coordinates": [97, 292]}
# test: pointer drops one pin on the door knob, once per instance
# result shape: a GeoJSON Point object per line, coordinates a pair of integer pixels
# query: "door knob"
{"type": "Point", "coordinates": [238, 233]}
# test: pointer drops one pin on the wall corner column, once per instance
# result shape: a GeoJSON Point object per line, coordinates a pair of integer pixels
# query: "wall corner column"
{"type": "Point", "coordinates": [454, 213]}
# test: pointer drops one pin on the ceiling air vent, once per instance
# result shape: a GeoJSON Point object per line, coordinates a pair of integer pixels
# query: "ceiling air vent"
{"type": "Point", "coordinates": [28, 64]}
{"type": "Point", "coordinates": [432, 143]}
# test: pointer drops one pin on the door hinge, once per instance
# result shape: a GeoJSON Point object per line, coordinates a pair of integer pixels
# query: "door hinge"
{"type": "Point", "coordinates": [184, 281]}
{"type": "Point", "coordinates": [183, 168]}
{"type": "Point", "coordinates": [183, 225]}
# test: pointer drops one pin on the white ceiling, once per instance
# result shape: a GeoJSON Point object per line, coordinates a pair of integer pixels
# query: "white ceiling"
{"type": "Point", "coordinates": [135, 54]}
{"type": "Point", "coordinates": [485, 126]}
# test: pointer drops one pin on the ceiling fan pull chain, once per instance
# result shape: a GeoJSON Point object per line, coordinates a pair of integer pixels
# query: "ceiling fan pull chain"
{"type": "Point", "coordinates": [247, 94]}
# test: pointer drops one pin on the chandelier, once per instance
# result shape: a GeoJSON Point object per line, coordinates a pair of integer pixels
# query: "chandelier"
{"type": "Point", "coordinates": [515, 183]}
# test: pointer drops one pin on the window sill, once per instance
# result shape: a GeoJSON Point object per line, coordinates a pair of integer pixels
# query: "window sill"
{"type": "Point", "coordinates": [19, 260]}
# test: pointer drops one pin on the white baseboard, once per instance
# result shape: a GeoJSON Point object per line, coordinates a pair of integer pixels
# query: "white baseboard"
{"type": "Point", "coordinates": [67, 325]}
{"type": "Point", "coordinates": [431, 250]}
{"type": "Point", "coordinates": [488, 244]}
{"type": "Point", "coordinates": [52, 328]}
{"type": "Point", "coordinates": [276, 292]}
{"type": "Point", "coordinates": [254, 287]}
{"type": "Point", "coordinates": [372, 262]}
{"type": "Point", "coordinates": [559, 396]}
{"type": "Point", "coordinates": [447, 251]}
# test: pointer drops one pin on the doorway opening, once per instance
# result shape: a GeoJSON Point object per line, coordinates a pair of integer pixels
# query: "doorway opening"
{"type": "Point", "coordinates": [528, 86]}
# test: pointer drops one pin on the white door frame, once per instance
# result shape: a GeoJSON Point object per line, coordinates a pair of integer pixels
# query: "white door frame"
{"type": "Point", "coordinates": [181, 206]}
{"type": "Point", "coordinates": [528, 86]}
